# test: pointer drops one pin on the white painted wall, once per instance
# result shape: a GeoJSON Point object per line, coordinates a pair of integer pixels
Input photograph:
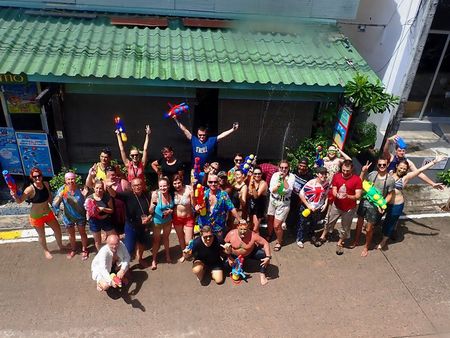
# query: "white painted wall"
{"type": "Point", "coordinates": [389, 48]}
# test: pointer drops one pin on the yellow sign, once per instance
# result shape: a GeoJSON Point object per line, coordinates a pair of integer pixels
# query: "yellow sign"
{"type": "Point", "coordinates": [9, 78]}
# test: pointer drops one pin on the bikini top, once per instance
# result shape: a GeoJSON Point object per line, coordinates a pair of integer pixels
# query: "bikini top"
{"type": "Point", "coordinates": [40, 195]}
{"type": "Point", "coordinates": [399, 184]}
{"type": "Point", "coordinates": [183, 199]}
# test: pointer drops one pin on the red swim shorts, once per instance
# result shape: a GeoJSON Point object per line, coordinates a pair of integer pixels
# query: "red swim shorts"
{"type": "Point", "coordinates": [180, 221]}
{"type": "Point", "coordinates": [40, 221]}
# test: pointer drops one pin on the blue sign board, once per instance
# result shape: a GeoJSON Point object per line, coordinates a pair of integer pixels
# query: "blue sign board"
{"type": "Point", "coordinates": [9, 153]}
{"type": "Point", "coordinates": [35, 152]}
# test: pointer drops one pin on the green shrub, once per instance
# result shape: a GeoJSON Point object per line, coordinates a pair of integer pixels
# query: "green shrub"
{"type": "Point", "coordinates": [444, 177]}
{"type": "Point", "coordinates": [306, 149]}
{"type": "Point", "coordinates": [58, 180]}
{"type": "Point", "coordinates": [363, 138]}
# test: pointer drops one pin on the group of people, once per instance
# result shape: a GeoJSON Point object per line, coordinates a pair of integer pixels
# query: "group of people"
{"type": "Point", "coordinates": [228, 206]}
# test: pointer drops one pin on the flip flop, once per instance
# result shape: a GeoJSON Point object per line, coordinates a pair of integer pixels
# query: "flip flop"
{"type": "Point", "coordinates": [277, 247]}
{"type": "Point", "coordinates": [339, 250]}
{"type": "Point", "coordinates": [319, 242]}
{"type": "Point", "coordinates": [71, 254]}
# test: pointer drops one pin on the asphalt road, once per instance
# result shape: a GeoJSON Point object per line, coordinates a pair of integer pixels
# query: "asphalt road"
{"type": "Point", "coordinates": [401, 292]}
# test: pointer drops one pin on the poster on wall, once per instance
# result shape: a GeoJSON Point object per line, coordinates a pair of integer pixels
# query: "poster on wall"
{"type": "Point", "coordinates": [21, 98]}
{"type": "Point", "coordinates": [341, 129]}
{"type": "Point", "coordinates": [35, 152]}
{"type": "Point", "coordinates": [9, 152]}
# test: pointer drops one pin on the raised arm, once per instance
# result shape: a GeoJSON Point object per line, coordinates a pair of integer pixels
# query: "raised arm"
{"type": "Point", "coordinates": [344, 155]}
{"type": "Point", "coordinates": [386, 152]}
{"type": "Point", "coordinates": [123, 155]}
{"type": "Point", "coordinates": [364, 170]}
{"type": "Point", "coordinates": [228, 132]}
{"type": "Point", "coordinates": [146, 142]}
{"type": "Point", "coordinates": [418, 172]}
{"type": "Point", "coordinates": [27, 193]}
{"type": "Point", "coordinates": [186, 132]}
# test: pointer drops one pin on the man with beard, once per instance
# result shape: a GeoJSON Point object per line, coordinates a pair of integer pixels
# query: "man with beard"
{"type": "Point", "coordinates": [346, 190]}
{"type": "Point", "coordinates": [248, 244]}
{"type": "Point", "coordinates": [366, 210]}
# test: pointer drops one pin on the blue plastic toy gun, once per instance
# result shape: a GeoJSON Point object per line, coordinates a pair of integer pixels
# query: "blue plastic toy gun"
{"type": "Point", "coordinates": [247, 164]}
{"type": "Point", "coordinates": [237, 271]}
{"type": "Point", "coordinates": [319, 156]}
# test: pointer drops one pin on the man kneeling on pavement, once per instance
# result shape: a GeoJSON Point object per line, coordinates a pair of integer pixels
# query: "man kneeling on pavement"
{"type": "Point", "coordinates": [111, 258]}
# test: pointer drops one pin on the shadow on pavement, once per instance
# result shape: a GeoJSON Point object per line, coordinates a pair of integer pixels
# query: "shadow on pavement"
{"type": "Point", "coordinates": [137, 280]}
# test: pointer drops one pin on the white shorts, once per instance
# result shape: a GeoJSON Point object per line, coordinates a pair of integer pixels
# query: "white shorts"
{"type": "Point", "coordinates": [279, 209]}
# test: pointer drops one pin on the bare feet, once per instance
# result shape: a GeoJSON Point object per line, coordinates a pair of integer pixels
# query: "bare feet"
{"type": "Point", "coordinates": [71, 254]}
{"type": "Point", "coordinates": [169, 260]}
{"type": "Point", "coordinates": [154, 265]}
{"type": "Point", "coordinates": [365, 253]}
{"type": "Point", "coordinates": [264, 279]}
{"type": "Point", "coordinates": [47, 254]}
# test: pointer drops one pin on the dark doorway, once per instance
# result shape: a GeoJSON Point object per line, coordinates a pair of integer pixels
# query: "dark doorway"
{"type": "Point", "coordinates": [206, 110]}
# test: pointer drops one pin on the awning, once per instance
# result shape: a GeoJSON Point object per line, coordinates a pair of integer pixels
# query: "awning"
{"type": "Point", "coordinates": [92, 48]}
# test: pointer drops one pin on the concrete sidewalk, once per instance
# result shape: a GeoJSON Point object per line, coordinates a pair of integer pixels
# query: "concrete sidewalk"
{"type": "Point", "coordinates": [401, 292]}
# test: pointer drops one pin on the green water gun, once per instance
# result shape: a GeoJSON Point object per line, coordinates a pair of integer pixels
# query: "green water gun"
{"type": "Point", "coordinates": [373, 195]}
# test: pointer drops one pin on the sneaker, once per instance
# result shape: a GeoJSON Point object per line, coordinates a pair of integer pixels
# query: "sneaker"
{"type": "Point", "coordinates": [300, 244]}
{"type": "Point", "coordinates": [284, 226]}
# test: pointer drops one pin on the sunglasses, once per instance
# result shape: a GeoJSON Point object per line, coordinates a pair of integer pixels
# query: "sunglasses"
{"type": "Point", "coordinates": [238, 160]}
{"type": "Point", "coordinates": [381, 165]}
{"type": "Point", "coordinates": [134, 155]}
{"type": "Point", "coordinates": [284, 168]}
{"type": "Point", "coordinates": [257, 173]}
{"type": "Point", "coordinates": [208, 237]}
{"type": "Point", "coordinates": [212, 182]}
{"type": "Point", "coordinates": [37, 176]}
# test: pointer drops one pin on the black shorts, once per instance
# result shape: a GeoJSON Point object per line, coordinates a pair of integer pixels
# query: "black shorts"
{"type": "Point", "coordinates": [211, 266]}
{"type": "Point", "coordinates": [369, 213]}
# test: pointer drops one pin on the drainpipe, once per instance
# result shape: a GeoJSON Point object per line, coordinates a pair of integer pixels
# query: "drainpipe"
{"type": "Point", "coordinates": [394, 124]}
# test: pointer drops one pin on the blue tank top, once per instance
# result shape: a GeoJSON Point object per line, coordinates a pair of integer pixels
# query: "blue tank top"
{"type": "Point", "coordinates": [160, 207]}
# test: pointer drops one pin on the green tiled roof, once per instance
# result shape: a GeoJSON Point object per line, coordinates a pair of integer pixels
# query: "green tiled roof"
{"type": "Point", "coordinates": [86, 48]}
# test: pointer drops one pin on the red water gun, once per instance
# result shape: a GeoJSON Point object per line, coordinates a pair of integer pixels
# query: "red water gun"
{"type": "Point", "coordinates": [176, 110]}
{"type": "Point", "coordinates": [197, 169]}
{"type": "Point", "coordinates": [199, 194]}
{"type": "Point", "coordinates": [116, 279]}
{"type": "Point", "coordinates": [91, 207]}
{"type": "Point", "coordinates": [10, 182]}
{"type": "Point", "coordinates": [121, 128]}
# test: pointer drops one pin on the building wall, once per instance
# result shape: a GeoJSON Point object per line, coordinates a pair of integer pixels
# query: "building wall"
{"type": "Point", "coordinates": [266, 127]}
{"type": "Point", "coordinates": [89, 125]}
{"type": "Point", "coordinates": [337, 9]}
{"type": "Point", "coordinates": [390, 47]}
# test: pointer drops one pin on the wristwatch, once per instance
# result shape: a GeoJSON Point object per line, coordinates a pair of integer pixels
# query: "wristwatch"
{"type": "Point", "coordinates": [270, 257]}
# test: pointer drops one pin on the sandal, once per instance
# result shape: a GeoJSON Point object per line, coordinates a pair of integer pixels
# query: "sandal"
{"type": "Point", "coordinates": [71, 254]}
{"type": "Point", "coordinates": [339, 250]}
{"type": "Point", "coordinates": [84, 255]}
{"type": "Point", "coordinates": [319, 242]}
{"type": "Point", "coordinates": [277, 247]}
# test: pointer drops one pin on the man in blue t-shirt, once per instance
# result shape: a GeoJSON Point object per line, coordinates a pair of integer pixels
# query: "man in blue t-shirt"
{"type": "Point", "coordinates": [202, 145]}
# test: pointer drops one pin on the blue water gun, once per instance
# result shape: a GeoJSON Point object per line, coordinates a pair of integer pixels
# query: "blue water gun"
{"type": "Point", "coordinates": [319, 156]}
{"type": "Point", "coordinates": [121, 128]}
{"type": "Point", "coordinates": [247, 165]}
{"type": "Point", "coordinates": [10, 182]}
{"type": "Point", "coordinates": [176, 110]}
{"type": "Point", "coordinates": [237, 272]}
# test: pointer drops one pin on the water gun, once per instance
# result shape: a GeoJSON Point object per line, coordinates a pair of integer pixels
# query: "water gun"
{"type": "Point", "coordinates": [116, 280]}
{"type": "Point", "coordinates": [373, 195]}
{"type": "Point", "coordinates": [247, 164]}
{"type": "Point", "coordinates": [121, 128]}
{"type": "Point", "coordinates": [197, 170]}
{"type": "Point", "coordinates": [189, 247]}
{"type": "Point", "coordinates": [237, 272]}
{"type": "Point", "coordinates": [176, 110]}
{"type": "Point", "coordinates": [10, 182]}
{"type": "Point", "coordinates": [65, 191]}
{"type": "Point", "coordinates": [199, 194]}
{"type": "Point", "coordinates": [306, 213]}
{"type": "Point", "coordinates": [319, 156]}
{"type": "Point", "coordinates": [280, 190]}
{"type": "Point", "coordinates": [91, 207]}
{"type": "Point", "coordinates": [401, 142]}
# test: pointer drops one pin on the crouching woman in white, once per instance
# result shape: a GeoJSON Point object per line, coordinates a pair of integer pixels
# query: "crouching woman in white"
{"type": "Point", "coordinates": [110, 258]}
